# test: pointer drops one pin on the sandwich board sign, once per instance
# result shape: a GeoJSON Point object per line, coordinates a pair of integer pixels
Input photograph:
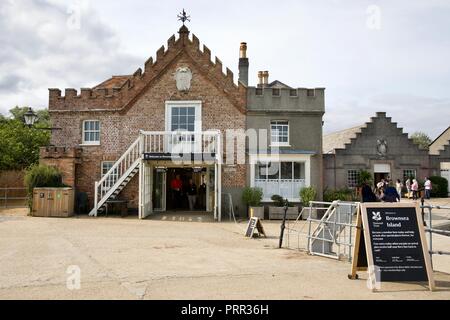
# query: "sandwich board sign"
{"type": "Point", "coordinates": [253, 225]}
{"type": "Point", "coordinates": [390, 243]}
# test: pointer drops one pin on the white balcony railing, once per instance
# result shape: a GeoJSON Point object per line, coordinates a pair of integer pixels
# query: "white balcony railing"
{"type": "Point", "coordinates": [180, 142]}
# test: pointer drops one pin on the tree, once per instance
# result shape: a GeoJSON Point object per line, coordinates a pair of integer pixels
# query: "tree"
{"type": "Point", "coordinates": [19, 145]}
{"type": "Point", "coordinates": [421, 139]}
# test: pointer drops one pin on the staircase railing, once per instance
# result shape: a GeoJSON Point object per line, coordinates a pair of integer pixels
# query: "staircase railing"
{"type": "Point", "coordinates": [113, 178]}
{"type": "Point", "coordinates": [206, 142]}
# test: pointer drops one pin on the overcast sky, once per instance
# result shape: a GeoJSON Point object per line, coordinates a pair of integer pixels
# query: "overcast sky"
{"type": "Point", "coordinates": [371, 56]}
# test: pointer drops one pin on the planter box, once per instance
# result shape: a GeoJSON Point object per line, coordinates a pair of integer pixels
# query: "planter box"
{"type": "Point", "coordinates": [53, 202]}
{"type": "Point", "coordinates": [277, 213]}
{"type": "Point", "coordinates": [256, 212]}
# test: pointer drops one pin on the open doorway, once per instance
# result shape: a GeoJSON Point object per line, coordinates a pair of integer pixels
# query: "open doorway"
{"type": "Point", "coordinates": [180, 201]}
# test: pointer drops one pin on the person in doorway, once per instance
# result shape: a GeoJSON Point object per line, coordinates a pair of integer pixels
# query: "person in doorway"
{"type": "Point", "coordinates": [380, 188]}
{"type": "Point", "coordinates": [399, 187]}
{"type": "Point", "coordinates": [202, 196]}
{"type": "Point", "coordinates": [192, 194]}
{"type": "Point", "coordinates": [177, 186]}
{"type": "Point", "coordinates": [408, 187]}
{"type": "Point", "coordinates": [415, 189]}
{"type": "Point", "coordinates": [428, 188]}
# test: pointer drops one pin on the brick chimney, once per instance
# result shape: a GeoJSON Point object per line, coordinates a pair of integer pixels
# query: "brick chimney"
{"type": "Point", "coordinates": [243, 64]}
{"type": "Point", "coordinates": [260, 79]}
{"type": "Point", "coordinates": [265, 78]}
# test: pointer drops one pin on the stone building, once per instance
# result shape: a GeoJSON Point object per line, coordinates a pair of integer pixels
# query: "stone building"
{"type": "Point", "coordinates": [128, 137]}
{"type": "Point", "coordinates": [378, 146]}
{"type": "Point", "coordinates": [440, 156]}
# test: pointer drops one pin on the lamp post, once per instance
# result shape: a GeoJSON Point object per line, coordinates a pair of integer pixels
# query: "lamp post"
{"type": "Point", "coordinates": [30, 118]}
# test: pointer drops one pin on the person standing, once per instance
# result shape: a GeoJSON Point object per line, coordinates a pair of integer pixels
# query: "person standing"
{"type": "Point", "coordinates": [367, 194]}
{"type": "Point", "coordinates": [415, 189]}
{"type": "Point", "coordinates": [192, 194]}
{"type": "Point", "coordinates": [428, 187]}
{"type": "Point", "coordinates": [399, 187]}
{"type": "Point", "coordinates": [176, 185]}
{"type": "Point", "coordinates": [202, 196]}
{"type": "Point", "coordinates": [390, 194]}
{"type": "Point", "coordinates": [408, 187]}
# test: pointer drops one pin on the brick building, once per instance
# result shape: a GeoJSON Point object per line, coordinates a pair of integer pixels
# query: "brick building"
{"type": "Point", "coordinates": [131, 135]}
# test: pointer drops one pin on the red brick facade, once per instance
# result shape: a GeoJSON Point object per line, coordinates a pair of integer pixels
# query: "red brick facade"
{"type": "Point", "coordinates": [139, 104]}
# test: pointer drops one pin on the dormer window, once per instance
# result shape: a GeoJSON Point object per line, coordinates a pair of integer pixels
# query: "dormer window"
{"type": "Point", "coordinates": [259, 91]}
{"type": "Point", "coordinates": [276, 92]}
{"type": "Point", "coordinates": [293, 93]}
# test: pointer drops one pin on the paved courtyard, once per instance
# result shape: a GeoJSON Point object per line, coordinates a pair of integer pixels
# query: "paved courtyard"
{"type": "Point", "coordinates": [131, 259]}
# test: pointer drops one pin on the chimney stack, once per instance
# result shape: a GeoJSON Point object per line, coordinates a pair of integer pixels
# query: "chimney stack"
{"type": "Point", "coordinates": [265, 78]}
{"type": "Point", "coordinates": [243, 64]}
{"type": "Point", "coordinates": [260, 79]}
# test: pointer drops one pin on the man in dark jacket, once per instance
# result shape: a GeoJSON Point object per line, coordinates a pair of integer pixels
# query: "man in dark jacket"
{"type": "Point", "coordinates": [390, 194]}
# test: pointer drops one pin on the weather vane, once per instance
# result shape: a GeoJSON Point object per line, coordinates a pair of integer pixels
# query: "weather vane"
{"type": "Point", "coordinates": [183, 17]}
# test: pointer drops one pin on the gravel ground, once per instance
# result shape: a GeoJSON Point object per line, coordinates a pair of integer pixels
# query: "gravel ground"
{"type": "Point", "coordinates": [131, 259]}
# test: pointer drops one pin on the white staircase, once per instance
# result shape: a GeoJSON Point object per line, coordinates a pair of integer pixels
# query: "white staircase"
{"type": "Point", "coordinates": [128, 165]}
{"type": "Point", "coordinates": [115, 180]}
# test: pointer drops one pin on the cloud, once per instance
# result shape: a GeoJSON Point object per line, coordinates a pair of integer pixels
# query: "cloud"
{"type": "Point", "coordinates": [410, 112]}
{"type": "Point", "coordinates": [42, 47]}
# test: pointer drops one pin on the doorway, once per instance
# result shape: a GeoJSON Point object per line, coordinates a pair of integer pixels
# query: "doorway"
{"type": "Point", "coordinates": [381, 171]}
{"type": "Point", "coordinates": [180, 202]}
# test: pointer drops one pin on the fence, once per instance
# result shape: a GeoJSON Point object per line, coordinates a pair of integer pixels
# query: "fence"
{"type": "Point", "coordinates": [327, 231]}
{"type": "Point", "coordinates": [428, 217]}
{"type": "Point", "coordinates": [13, 197]}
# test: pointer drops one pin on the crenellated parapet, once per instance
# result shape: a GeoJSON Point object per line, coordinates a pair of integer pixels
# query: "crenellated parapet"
{"type": "Point", "coordinates": [286, 99]}
{"type": "Point", "coordinates": [52, 152]}
{"type": "Point", "coordinates": [123, 97]}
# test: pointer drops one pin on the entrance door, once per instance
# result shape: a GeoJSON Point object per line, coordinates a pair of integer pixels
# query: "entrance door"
{"type": "Point", "coordinates": [159, 189]}
{"type": "Point", "coordinates": [381, 171]}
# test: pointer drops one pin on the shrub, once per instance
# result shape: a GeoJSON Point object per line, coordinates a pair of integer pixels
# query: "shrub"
{"type": "Point", "coordinates": [252, 196]}
{"type": "Point", "coordinates": [343, 194]}
{"type": "Point", "coordinates": [307, 194]}
{"type": "Point", "coordinates": [440, 187]}
{"type": "Point", "coordinates": [41, 176]}
{"type": "Point", "coordinates": [278, 200]}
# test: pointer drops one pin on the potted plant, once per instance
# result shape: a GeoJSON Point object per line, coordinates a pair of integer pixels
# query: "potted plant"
{"type": "Point", "coordinates": [48, 196]}
{"type": "Point", "coordinates": [276, 211]}
{"type": "Point", "coordinates": [252, 197]}
{"type": "Point", "coordinates": [307, 195]}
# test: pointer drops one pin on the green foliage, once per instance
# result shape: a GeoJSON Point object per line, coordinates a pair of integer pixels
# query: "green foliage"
{"type": "Point", "coordinates": [40, 176]}
{"type": "Point", "coordinates": [343, 194]}
{"type": "Point", "coordinates": [278, 200]}
{"type": "Point", "coordinates": [440, 187]}
{"type": "Point", "coordinates": [252, 196]}
{"type": "Point", "coordinates": [19, 145]}
{"type": "Point", "coordinates": [307, 194]}
{"type": "Point", "coordinates": [364, 176]}
{"type": "Point", "coordinates": [421, 139]}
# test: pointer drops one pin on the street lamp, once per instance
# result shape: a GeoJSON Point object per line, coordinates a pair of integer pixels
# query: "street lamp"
{"type": "Point", "coordinates": [30, 118]}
